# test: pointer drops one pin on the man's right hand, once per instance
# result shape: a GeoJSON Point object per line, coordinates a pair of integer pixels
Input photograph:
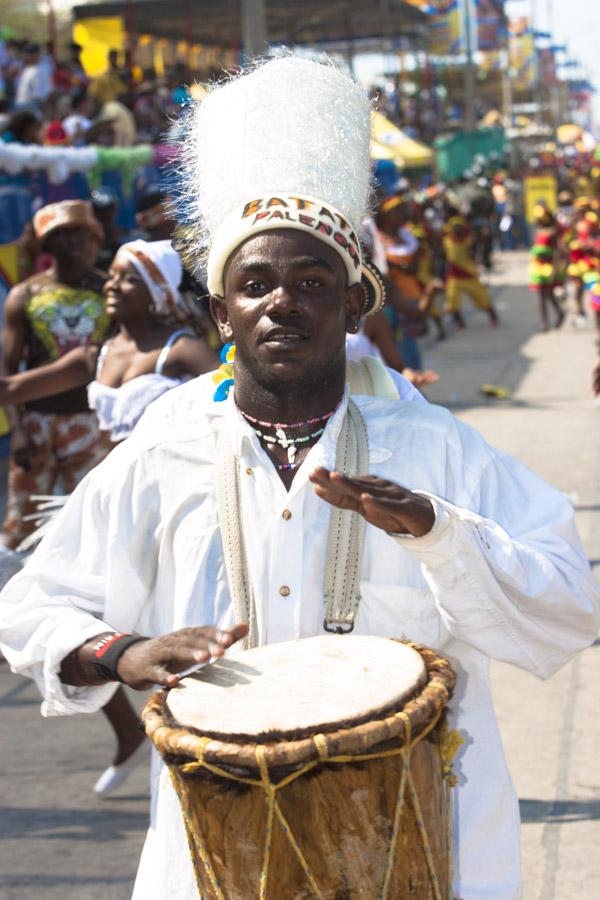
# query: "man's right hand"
{"type": "Point", "coordinates": [158, 660]}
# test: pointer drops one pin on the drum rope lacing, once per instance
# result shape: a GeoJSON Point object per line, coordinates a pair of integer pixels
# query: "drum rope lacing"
{"type": "Point", "coordinates": [345, 541]}
{"type": "Point", "coordinates": [274, 810]}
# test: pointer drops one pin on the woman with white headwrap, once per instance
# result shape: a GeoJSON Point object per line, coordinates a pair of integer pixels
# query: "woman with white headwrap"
{"type": "Point", "coordinates": [156, 347]}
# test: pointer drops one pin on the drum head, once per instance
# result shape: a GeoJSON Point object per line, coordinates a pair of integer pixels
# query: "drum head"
{"type": "Point", "coordinates": [294, 689]}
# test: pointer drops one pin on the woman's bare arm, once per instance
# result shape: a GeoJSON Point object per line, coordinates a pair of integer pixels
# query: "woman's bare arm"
{"type": "Point", "coordinates": [72, 370]}
{"type": "Point", "coordinates": [379, 331]}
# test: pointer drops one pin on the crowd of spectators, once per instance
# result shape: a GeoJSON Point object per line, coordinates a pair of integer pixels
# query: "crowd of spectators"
{"type": "Point", "coordinates": [45, 99]}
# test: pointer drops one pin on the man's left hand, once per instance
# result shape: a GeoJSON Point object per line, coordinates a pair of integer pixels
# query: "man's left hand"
{"type": "Point", "coordinates": [382, 503]}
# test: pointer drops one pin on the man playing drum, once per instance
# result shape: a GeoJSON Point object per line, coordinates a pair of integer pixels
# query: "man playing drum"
{"type": "Point", "coordinates": [464, 549]}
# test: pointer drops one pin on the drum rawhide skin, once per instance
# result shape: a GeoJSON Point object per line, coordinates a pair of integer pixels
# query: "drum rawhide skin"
{"type": "Point", "coordinates": [318, 768]}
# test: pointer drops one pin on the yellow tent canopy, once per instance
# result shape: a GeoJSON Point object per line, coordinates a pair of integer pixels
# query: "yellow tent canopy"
{"type": "Point", "coordinates": [390, 142]}
{"type": "Point", "coordinates": [97, 37]}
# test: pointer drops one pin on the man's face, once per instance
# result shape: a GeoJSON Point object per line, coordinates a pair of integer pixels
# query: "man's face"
{"type": "Point", "coordinates": [287, 307]}
{"type": "Point", "coordinates": [77, 246]}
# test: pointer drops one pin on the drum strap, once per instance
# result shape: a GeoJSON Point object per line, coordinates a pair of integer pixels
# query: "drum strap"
{"type": "Point", "coordinates": [345, 541]}
{"type": "Point", "coordinates": [232, 536]}
{"type": "Point", "coordinates": [346, 531]}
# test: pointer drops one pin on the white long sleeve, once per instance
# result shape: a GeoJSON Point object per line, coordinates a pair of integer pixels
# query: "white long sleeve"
{"type": "Point", "coordinates": [526, 598]}
{"type": "Point", "coordinates": [137, 548]}
{"type": "Point", "coordinates": [73, 588]}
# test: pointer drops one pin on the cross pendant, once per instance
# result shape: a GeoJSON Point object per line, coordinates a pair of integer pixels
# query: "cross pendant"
{"type": "Point", "coordinates": [283, 441]}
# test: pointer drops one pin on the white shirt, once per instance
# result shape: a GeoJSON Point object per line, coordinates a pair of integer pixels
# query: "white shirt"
{"type": "Point", "coordinates": [76, 124]}
{"type": "Point", "coordinates": [29, 86]}
{"type": "Point", "coordinates": [501, 574]}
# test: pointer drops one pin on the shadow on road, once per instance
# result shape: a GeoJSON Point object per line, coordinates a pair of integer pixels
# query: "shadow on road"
{"type": "Point", "coordinates": [561, 811]}
{"type": "Point", "coordinates": [108, 824]}
{"type": "Point", "coordinates": [13, 696]}
{"type": "Point", "coordinates": [38, 882]}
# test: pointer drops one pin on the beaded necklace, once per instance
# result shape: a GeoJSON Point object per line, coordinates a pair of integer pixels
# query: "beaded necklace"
{"type": "Point", "coordinates": [286, 467]}
{"type": "Point", "coordinates": [280, 437]}
{"type": "Point", "coordinates": [289, 425]}
{"type": "Point", "coordinates": [289, 444]}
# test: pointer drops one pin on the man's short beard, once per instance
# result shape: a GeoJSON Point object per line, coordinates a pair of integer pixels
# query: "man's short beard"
{"type": "Point", "coordinates": [314, 380]}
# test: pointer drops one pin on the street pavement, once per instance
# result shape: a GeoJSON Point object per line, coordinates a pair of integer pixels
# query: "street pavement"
{"type": "Point", "coordinates": [58, 841]}
{"type": "Point", "coordinates": [550, 729]}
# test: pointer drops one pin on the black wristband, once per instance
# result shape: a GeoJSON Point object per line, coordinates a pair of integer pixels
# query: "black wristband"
{"type": "Point", "coordinates": [107, 652]}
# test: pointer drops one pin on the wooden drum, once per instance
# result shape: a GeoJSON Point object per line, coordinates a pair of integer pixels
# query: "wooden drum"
{"type": "Point", "coordinates": [313, 769]}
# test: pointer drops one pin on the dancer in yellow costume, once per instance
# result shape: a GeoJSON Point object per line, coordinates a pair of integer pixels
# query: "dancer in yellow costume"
{"type": "Point", "coordinates": [462, 274]}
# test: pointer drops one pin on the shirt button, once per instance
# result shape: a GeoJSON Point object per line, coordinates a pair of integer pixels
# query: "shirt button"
{"type": "Point", "coordinates": [284, 590]}
{"type": "Point", "coordinates": [249, 471]}
{"type": "Point", "coordinates": [286, 514]}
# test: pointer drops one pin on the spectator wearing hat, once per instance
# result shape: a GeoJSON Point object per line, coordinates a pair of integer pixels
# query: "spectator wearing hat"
{"type": "Point", "coordinates": [46, 316]}
{"type": "Point", "coordinates": [116, 116]}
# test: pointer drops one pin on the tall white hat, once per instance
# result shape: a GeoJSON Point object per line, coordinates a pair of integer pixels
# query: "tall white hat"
{"type": "Point", "coordinates": [284, 146]}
